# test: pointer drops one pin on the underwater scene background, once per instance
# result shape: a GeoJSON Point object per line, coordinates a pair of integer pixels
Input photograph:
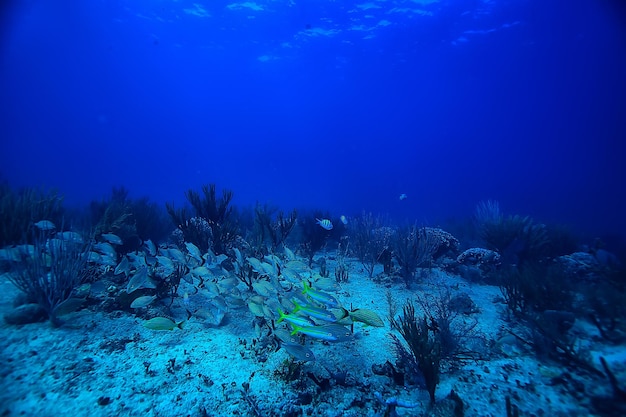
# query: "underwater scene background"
{"type": "Point", "coordinates": [325, 208]}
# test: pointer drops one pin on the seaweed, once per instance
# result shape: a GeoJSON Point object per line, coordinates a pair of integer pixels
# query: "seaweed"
{"type": "Point", "coordinates": [274, 229]}
{"type": "Point", "coordinates": [487, 212]}
{"type": "Point", "coordinates": [370, 238]}
{"type": "Point", "coordinates": [518, 239]}
{"type": "Point", "coordinates": [511, 409]}
{"type": "Point", "coordinates": [313, 236]}
{"type": "Point", "coordinates": [342, 270]}
{"type": "Point", "coordinates": [20, 209]}
{"type": "Point", "coordinates": [422, 348]}
{"type": "Point", "coordinates": [453, 335]}
{"type": "Point", "coordinates": [151, 220]}
{"type": "Point", "coordinates": [221, 229]}
{"type": "Point", "coordinates": [535, 287]}
{"type": "Point", "coordinates": [115, 215]}
{"type": "Point", "coordinates": [48, 273]}
{"type": "Point", "coordinates": [413, 248]}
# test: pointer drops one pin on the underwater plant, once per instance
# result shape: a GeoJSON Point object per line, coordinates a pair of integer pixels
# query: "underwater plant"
{"type": "Point", "coordinates": [518, 239]}
{"type": "Point", "coordinates": [413, 247]}
{"type": "Point", "coordinates": [151, 220]}
{"type": "Point", "coordinates": [216, 212]}
{"type": "Point", "coordinates": [369, 238]}
{"type": "Point", "coordinates": [458, 339]}
{"type": "Point", "coordinates": [274, 229]}
{"type": "Point", "coordinates": [604, 305]}
{"type": "Point", "coordinates": [20, 209]}
{"type": "Point", "coordinates": [535, 287]}
{"type": "Point", "coordinates": [48, 271]}
{"type": "Point", "coordinates": [421, 348]}
{"type": "Point", "coordinates": [487, 212]}
{"type": "Point", "coordinates": [313, 236]}
{"type": "Point", "coordinates": [115, 215]}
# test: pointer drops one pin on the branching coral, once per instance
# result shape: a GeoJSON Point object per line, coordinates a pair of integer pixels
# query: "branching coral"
{"type": "Point", "coordinates": [413, 247]}
{"type": "Point", "coordinates": [535, 287]}
{"type": "Point", "coordinates": [275, 230]}
{"type": "Point", "coordinates": [217, 212]}
{"type": "Point", "coordinates": [518, 239]}
{"type": "Point", "coordinates": [20, 209]}
{"type": "Point", "coordinates": [48, 272]}
{"type": "Point", "coordinates": [421, 346]}
{"type": "Point", "coordinates": [369, 238]}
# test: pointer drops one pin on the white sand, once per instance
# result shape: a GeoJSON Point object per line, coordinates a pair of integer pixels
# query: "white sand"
{"type": "Point", "coordinates": [51, 372]}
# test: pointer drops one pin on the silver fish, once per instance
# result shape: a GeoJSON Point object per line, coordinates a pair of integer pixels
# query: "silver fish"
{"type": "Point", "coordinates": [105, 249]}
{"type": "Point", "coordinates": [107, 260]}
{"type": "Point", "coordinates": [143, 301]}
{"type": "Point", "coordinates": [264, 288]}
{"type": "Point", "coordinates": [201, 272]}
{"type": "Point", "coordinates": [140, 280]}
{"type": "Point", "coordinates": [166, 262]}
{"type": "Point", "coordinates": [111, 238]}
{"type": "Point", "coordinates": [177, 256]}
{"type": "Point", "coordinates": [238, 256]}
{"type": "Point", "coordinates": [256, 265]}
{"type": "Point", "coordinates": [290, 275]}
{"type": "Point", "coordinates": [137, 259]}
{"type": "Point", "coordinates": [70, 237]}
{"type": "Point", "coordinates": [269, 269]}
{"type": "Point", "coordinates": [68, 306]}
{"type": "Point", "coordinates": [162, 323]}
{"type": "Point", "coordinates": [123, 267]}
{"type": "Point", "coordinates": [297, 266]}
{"type": "Point", "coordinates": [299, 352]}
{"type": "Point", "coordinates": [150, 247]}
{"type": "Point", "coordinates": [45, 225]}
{"type": "Point", "coordinates": [220, 258]}
{"type": "Point", "coordinates": [93, 257]}
{"type": "Point", "coordinates": [194, 252]}
{"type": "Point", "coordinates": [289, 254]}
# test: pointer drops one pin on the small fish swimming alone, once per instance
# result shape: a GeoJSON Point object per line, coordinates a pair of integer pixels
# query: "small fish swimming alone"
{"type": "Point", "coordinates": [325, 223]}
{"type": "Point", "coordinates": [343, 219]}
{"type": "Point", "coordinates": [403, 197]}
{"type": "Point", "coordinates": [162, 323]}
{"type": "Point", "coordinates": [143, 301]}
{"type": "Point", "coordinates": [45, 225]}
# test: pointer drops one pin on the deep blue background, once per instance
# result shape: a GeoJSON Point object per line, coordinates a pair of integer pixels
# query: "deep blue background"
{"type": "Point", "coordinates": [339, 105]}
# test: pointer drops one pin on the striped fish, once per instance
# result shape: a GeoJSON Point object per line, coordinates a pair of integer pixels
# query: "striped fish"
{"type": "Point", "coordinates": [325, 223]}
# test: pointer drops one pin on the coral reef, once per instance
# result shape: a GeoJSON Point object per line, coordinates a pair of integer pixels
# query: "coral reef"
{"type": "Point", "coordinates": [414, 247]}
{"type": "Point", "coordinates": [479, 257]}
{"type": "Point", "coordinates": [48, 271]}
{"type": "Point", "coordinates": [369, 237]}
{"type": "Point", "coordinates": [275, 229]}
{"type": "Point", "coordinates": [20, 209]}
{"type": "Point", "coordinates": [214, 211]}
{"type": "Point", "coordinates": [421, 348]}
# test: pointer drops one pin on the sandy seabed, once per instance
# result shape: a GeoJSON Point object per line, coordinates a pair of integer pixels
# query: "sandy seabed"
{"type": "Point", "coordinates": [108, 364]}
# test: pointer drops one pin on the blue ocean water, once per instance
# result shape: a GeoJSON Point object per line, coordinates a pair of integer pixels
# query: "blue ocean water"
{"type": "Point", "coordinates": [457, 166]}
{"type": "Point", "coordinates": [337, 105]}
